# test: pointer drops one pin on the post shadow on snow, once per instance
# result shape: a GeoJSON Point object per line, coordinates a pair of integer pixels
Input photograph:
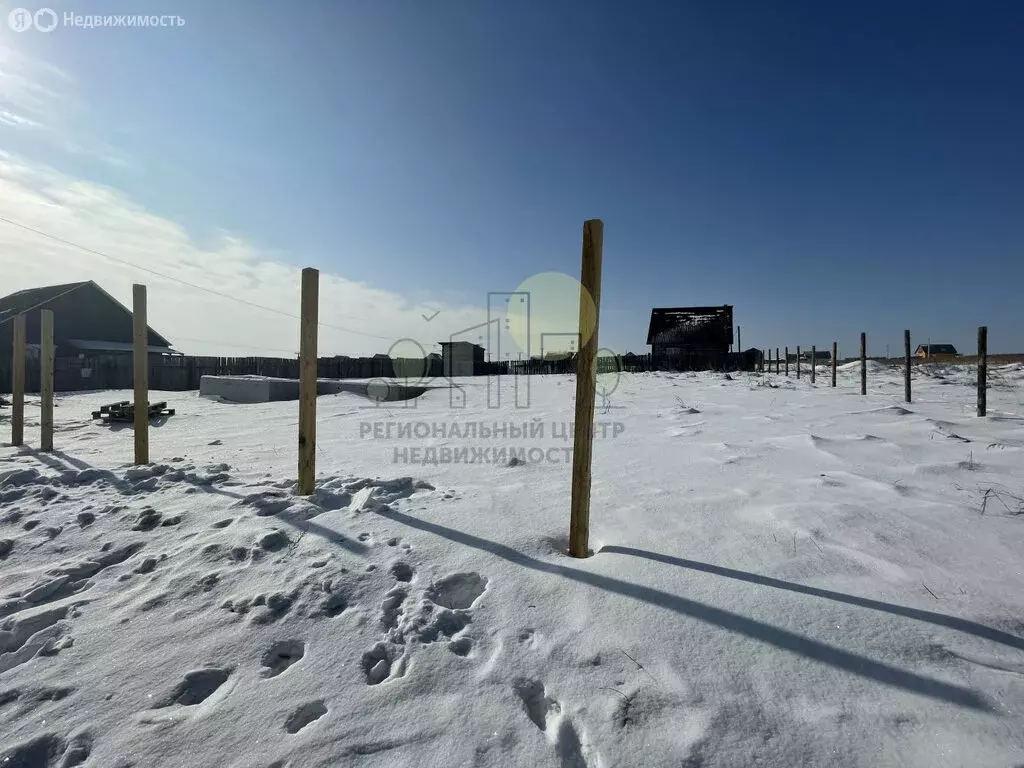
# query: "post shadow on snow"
{"type": "Point", "coordinates": [52, 460]}
{"type": "Point", "coordinates": [355, 547]}
{"type": "Point", "coordinates": [62, 462]}
{"type": "Point", "coordinates": [941, 619]}
{"type": "Point", "coordinates": [766, 633]}
{"type": "Point", "coordinates": [71, 461]}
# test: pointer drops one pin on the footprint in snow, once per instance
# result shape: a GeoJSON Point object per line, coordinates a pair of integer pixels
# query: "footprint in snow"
{"type": "Point", "coordinates": [527, 637]}
{"type": "Point", "coordinates": [282, 655]}
{"type": "Point", "coordinates": [305, 715]}
{"type": "Point", "coordinates": [274, 541]}
{"type": "Point", "coordinates": [196, 687]}
{"type": "Point", "coordinates": [546, 713]}
{"type": "Point", "coordinates": [147, 520]}
{"type": "Point", "coordinates": [379, 663]}
{"type": "Point", "coordinates": [457, 591]}
{"type": "Point", "coordinates": [402, 571]}
{"type": "Point", "coordinates": [48, 750]}
{"type": "Point", "coordinates": [333, 605]}
{"type": "Point", "coordinates": [391, 608]}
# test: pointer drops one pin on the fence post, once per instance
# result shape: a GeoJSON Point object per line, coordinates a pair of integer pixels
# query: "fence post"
{"type": "Point", "coordinates": [307, 379]}
{"type": "Point", "coordinates": [777, 364]}
{"type": "Point", "coordinates": [835, 361]}
{"type": "Point", "coordinates": [586, 387]}
{"type": "Point", "coordinates": [18, 382]}
{"type": "Point", "coordinates": [786, 352]}
{"type": "Point", "coordinates": [906, 354]}
{"type": "Point", "coordinates": [739, 338]}
{"type": "Point", "coordinates": [863, 363]}
{"type": "Point", "coordinates": [982, 369]}
{"type": "Point", "coordinates": [46, 380]}
{"type": "Point", "coordinates": [798, 361]}
{"type": "Point", "coordinates": [140, 366]}
{"type": "Point", "coordinates": [814, 360]}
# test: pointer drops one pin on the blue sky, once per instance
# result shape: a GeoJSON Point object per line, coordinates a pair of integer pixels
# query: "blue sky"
{"type": "Point", "coordinates": [827, 168]}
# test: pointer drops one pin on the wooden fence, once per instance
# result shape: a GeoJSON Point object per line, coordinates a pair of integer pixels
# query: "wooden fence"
{"type": "Point", "coordinates": [182, 373]}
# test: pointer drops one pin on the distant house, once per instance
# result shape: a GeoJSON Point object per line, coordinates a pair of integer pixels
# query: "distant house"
{"type": "Point", "coordinates": [935, 351]}
{"type": "Point", "coordinates": [690, 337]}
{"type": "Point", "coordinates": [462, 358]}
{"type": "Point", "coordinates": [88, 322]}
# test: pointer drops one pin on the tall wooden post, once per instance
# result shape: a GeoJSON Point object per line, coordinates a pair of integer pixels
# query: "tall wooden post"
{"type": "Point", "coordinates": [309, 323]}
{"type": "Point", "coordinates": [46, 380]}
{"type": "Point", "coordinates": [863, 363]}
{"type": "Point", "coordinates": [814, 359]}
{"type": "Point", "coordinates": [586, 386]}
{"type": "Point", "coordinates": [835, 361]}
{"type": "Point", "coordinates": [906, 372]}
{"type": "Point", "coordinates": [777, 362]}
{"type": "Point", "coordinates": [18, 382]}
{"type": "Point", "coordinates": [798, 361]}
{"type": "Point", "coordinates": [786, 352]}
{"type": "Point", "coordinates": [140, 366]}
{"type": "Point", "coordinates": [982, 369]}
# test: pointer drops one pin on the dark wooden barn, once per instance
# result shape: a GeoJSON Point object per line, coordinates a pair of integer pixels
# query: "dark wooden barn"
{"type": "Point", "coordinates": [91, 329]}
{"type": "Point", "coordinates": [690, 337]}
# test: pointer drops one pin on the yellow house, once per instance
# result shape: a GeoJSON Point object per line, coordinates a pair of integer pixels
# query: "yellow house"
{"type": "Point", "coordinates": [936, 351]}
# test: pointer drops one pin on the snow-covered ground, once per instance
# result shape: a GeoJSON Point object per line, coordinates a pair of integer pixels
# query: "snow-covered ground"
{"type": "Point", "coordinates": [783, 575]}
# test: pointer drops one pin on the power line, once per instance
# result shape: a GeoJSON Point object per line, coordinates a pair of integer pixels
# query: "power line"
{"type": "Point", "coordinates": [291, 352]}
{"type": "Point", "coordinates": [41, 303]}
{"type": "Point", "coordinates": [176, 280]}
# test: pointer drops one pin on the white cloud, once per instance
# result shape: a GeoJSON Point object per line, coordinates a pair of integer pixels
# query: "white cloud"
{"type": "Point", "coordinates": [106, 221]}
{"type": "Point", "coordinates": [40, 97]}
{"type": "Point", "coordinates": [30, 90]}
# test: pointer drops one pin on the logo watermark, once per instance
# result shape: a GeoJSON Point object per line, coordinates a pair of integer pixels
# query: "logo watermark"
{"type": "Point", "coordinates": [532, 430]}
{"type": "Point", "coordinates": [47, 20]}
{"type": "Point", "coordinates": [531, 453]}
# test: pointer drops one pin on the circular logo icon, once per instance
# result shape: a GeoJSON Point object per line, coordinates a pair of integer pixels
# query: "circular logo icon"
{"type": "Point", "coordinates": [410, 362]}
{"type": "Point", "coordinates": [609, 372]}
{"type": "Point", "coordinates": [545, 317]}
{"type": "Point", "coordinates": [45, 19]}
{"type": "Point", "coordinates": [19, 19]}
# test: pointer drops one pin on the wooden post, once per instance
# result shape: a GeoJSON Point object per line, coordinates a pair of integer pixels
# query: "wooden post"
{"type": "Point", "coordinates": [586, 386]}
{"type": "Point", "coordinates": [982, 369]}
{"type": "Point", "coordinates": [786, 352]}
{"type": "Point", "coordinates": [863, 363]}
{"type": "Point", "coordinates": [739, 339]}
{"type": "Point", "coordinates": [798, 361]}
{"type": "Point", "coordinates": [835, 361]}
{"type": "Point", "coordinates": [46, 379]}
{"type": "Point", "coordinates": [18, 382]}
{"type": "Point", "coordinates": [140, 365]}
{"type": "Point", "coordinates": [814, 359]}
{"type": "Point", "coordinates": [307, 379]}
{"type": "Point", "coordinates": [777, 362]}
{"type": "Point", "coordinates": [906, 376]}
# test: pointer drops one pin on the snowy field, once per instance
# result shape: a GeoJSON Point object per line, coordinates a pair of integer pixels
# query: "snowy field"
{"type": "Point", "coordinates": [783, 575]}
